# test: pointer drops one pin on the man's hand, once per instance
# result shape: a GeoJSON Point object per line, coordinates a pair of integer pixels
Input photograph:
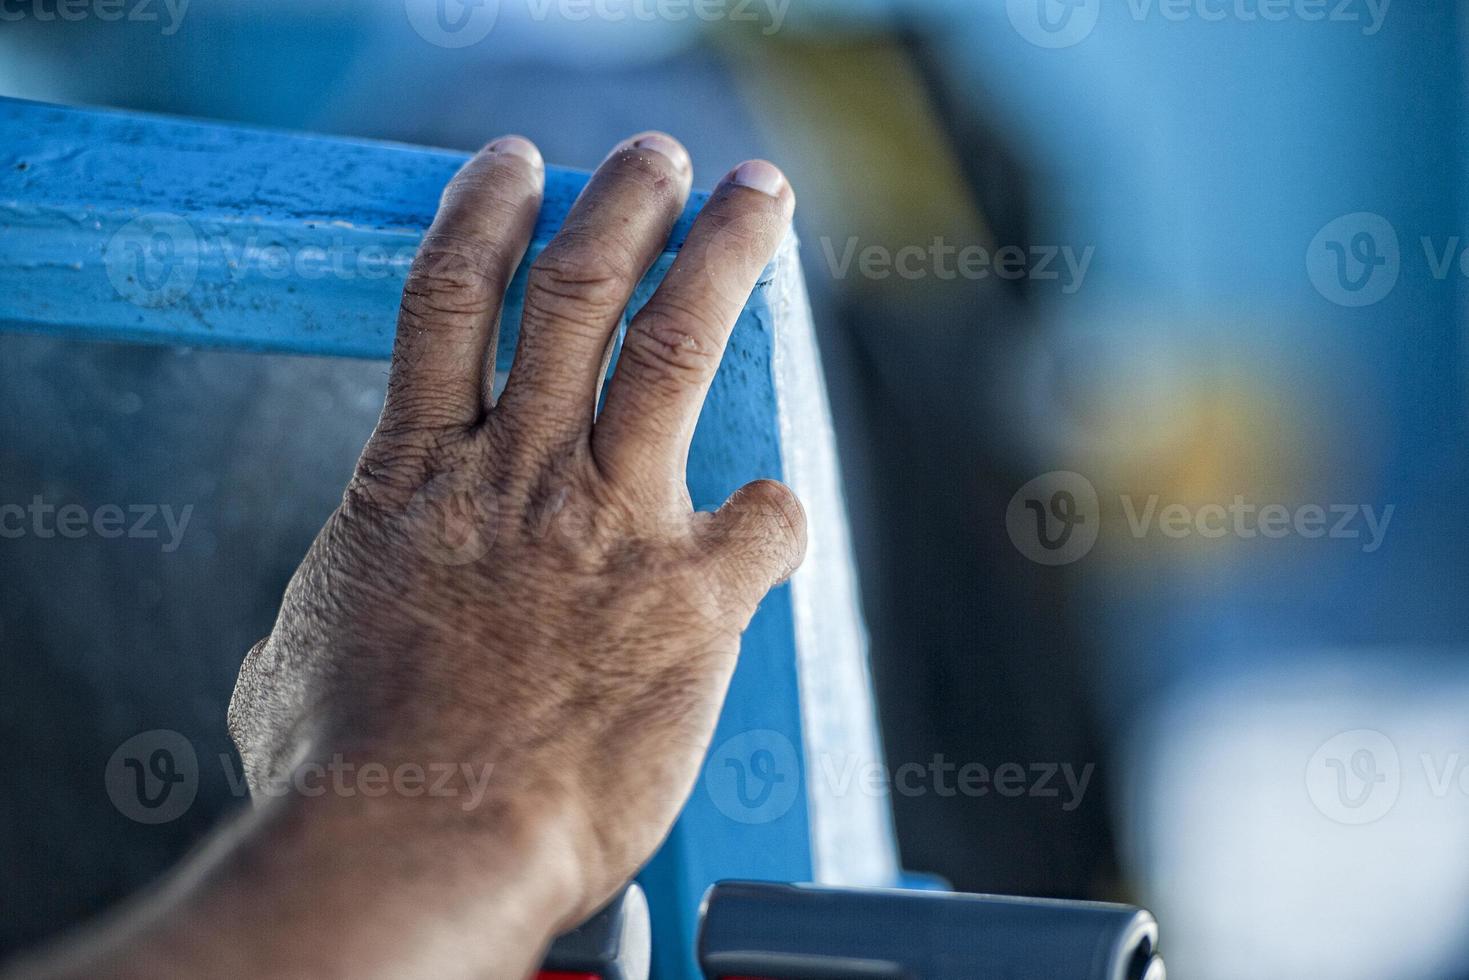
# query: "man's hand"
{"type": "Point", "coordinates": [516, 584]}
{"type": "Point", "coordinates": [518, 589]}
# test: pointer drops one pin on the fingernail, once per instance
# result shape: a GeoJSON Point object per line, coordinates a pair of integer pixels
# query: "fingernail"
{"type": "Point", "coordinates": [758, 175]}
{"type": "Point", "coordinates": [660, 143]}
{"type": "Point", "coordinates": [517, 146]}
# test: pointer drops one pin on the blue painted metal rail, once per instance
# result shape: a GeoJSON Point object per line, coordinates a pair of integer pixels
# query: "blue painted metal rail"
{"type": "Point", "coordinates": [131, 228]}
{"type": "Point", "coordinates": [139, 228]}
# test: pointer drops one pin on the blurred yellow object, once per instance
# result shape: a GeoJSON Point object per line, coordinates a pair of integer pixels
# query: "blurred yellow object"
{"type": "Point", "coordinates": [855, 111]}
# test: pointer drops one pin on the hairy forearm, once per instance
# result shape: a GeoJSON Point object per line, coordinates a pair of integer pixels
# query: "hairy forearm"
{"type": "Point", "coordinates": [332, 888]}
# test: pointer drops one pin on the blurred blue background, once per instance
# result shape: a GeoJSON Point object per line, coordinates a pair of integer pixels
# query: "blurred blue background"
{"type": "Point", "coordinates": [1254, 219]}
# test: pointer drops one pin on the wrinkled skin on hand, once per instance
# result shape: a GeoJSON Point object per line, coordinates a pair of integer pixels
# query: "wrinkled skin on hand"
{"type": "Point", "coordinates": [520, 584]}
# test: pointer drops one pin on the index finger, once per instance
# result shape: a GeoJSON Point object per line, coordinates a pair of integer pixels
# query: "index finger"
{"type": "Point", "coordinates": [451, 300]}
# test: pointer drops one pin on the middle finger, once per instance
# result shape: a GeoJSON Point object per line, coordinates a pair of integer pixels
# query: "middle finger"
{"type": "Point", "coordinates": [580, 284]}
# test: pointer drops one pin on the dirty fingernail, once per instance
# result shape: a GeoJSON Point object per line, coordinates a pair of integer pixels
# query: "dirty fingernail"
{"type": "Point", "coordinates": [660, 143]}
{"type": "Point", "coordinates": [759, 175]}
{"type": "Point", "coordinates": [517, 146]}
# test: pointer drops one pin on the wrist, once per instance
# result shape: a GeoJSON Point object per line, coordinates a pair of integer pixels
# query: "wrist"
{"type": "Point", "coordinates": [480, 850]}
{"type": "Point", "coordinates": [370, 874]}
{"type": "Point", "coordinates": [333, 886]}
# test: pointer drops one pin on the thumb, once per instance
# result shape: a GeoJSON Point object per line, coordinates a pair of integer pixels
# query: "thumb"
{"type": "Point", "coordinates": [760, 534]}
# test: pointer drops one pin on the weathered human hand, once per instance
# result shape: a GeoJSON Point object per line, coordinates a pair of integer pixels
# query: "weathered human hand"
{"type": "Point", "coordinates": [519, 585]}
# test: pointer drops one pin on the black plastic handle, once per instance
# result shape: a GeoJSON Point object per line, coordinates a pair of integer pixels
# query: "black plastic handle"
{"type": "Point", "coordinates": [799, 932]}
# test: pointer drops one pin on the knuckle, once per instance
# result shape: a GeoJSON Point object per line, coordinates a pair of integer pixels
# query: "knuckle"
{"type": "Point", "coordinates": [486, 192]}
{"type": "Point", "coordinates": [416, 399]}
{"type": "Point", "coordinates": [376, 493]}
{"type": "Point", "coordinates": [581, 276]}
{"type": "Point", "coordinates": [661, 347]}
{"type": "Point", "coordinates": [391, 468]}
{"type": "Point", "coordinates": [743, 237]}
{"type": "Point", "coordinates": [453, 277]}
{"type": "Point", "coordinates": [737, 241]}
